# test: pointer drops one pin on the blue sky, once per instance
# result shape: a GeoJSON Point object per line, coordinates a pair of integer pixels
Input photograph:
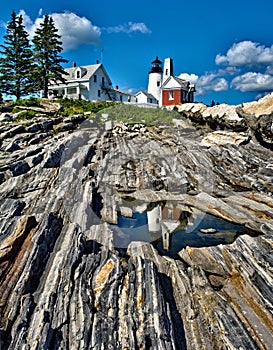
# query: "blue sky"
{"type": "Point", "coordinates": [224, 47]}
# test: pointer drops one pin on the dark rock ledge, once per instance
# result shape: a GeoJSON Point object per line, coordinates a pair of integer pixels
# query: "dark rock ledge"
{"type": "Point", "coordinates": [64, 285]}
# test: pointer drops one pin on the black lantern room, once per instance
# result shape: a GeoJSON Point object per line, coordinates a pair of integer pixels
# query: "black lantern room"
{"type": "Point", "coordinates": [156, 66]}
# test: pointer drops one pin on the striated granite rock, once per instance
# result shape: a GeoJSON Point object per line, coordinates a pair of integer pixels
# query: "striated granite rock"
{"type": "Point", "coordinates": [64, 284]}
{"type": "Point", "coordinates": [253, 117]}
{"type": "Point", "coordinates": [223, 137]}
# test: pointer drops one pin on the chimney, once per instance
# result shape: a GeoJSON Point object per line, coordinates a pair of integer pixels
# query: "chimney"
{"type": "Point", "coordinates": [97, 61]}
{"type": "Point", "coordinates": [74, 65]}
{"type": "Point", "coordinates": [116, 87]}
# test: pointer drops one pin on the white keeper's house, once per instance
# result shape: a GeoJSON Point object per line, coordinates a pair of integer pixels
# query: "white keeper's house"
{"type": "Point", "coordinates": [89, 83]}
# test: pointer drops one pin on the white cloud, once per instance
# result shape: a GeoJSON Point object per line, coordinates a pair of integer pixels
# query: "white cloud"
{"type": "Point", "coordinates": [253, 81]}
{"type": "Point", "coordinates": [228, 71]}
{"type": "Point", "coordinates": [211, 82]}
{"type": "Point", "coordinates": [74, 30]}
{"type": "Point", "coordinates": [206, 83]}
{"type": "Point", "coordinates": [220, 84]}
{"type": "Point", "coordinates": [128, 28]}
{"type": "Point", "coordinates": [246, 53]}
{"type": "Point", "coordinates": [192, 78]}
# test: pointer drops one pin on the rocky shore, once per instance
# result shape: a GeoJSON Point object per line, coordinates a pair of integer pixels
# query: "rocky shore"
{"type": "Point", "coordinates": [65, 284]}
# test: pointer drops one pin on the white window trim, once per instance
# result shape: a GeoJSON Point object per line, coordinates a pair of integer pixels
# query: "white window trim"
{"type": "Point", "coordinates": [78, 73]}
{"type": "Point", "coordinates": [171, 95]}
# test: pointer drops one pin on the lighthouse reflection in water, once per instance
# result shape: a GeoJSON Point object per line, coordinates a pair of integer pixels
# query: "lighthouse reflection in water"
{"type": "Point", "coordinates": [170, 228]}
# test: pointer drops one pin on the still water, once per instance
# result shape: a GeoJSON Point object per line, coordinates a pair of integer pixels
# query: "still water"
{"type": "Point", "coordinates": [170, 229]}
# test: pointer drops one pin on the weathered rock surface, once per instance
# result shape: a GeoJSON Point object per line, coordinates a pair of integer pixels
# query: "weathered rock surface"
{"type": "Point", "coordinates": [65, 285]}
{"type": "Point", "coordinates": [223, 137]}
{"type": "Point", "coordinates": [254, 117]}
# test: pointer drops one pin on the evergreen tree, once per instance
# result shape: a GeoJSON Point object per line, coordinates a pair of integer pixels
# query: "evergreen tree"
{"type": "Point", "coordinates": [16, 61]}
{"type": "Point", "coordinates": [47, 46]}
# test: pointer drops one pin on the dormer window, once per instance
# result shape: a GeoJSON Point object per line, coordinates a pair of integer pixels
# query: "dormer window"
{"type": "Point", "coordinates": [78, 73]}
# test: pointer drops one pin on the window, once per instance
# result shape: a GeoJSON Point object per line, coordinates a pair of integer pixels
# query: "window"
{"type": "Point", "coordinates": [158, 83]}
{"type": "Point", "coordinates": [98, 93]}
{"type": "Point", "coordinates": [170, 214]}
{"type": "Point", "coordinates": [71, 91]}
{"type": "Point", "coordinates": [150, 100]}
{"type": "Point", "coordinates": [102, 81]}
{"type": "Point", "coordinates": [78, 74]}
{"type": "Point", "coordinates": [120, 98]}
{"type": "Point", "coordinates": [95, 78]}
{"type": "Point", "coordinates": [171, 95]}
{"type": "Point", "coordinates": [166, 71]}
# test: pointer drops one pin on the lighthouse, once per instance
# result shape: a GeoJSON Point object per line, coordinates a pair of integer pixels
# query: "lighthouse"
{"type": "Point", "coordinates": [155, 79]}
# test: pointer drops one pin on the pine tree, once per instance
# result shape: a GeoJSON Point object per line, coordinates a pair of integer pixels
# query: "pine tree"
{"type": "Point", "coordinates": [47, 46]}
{"type": "Point", "coordinates": [16, 61]}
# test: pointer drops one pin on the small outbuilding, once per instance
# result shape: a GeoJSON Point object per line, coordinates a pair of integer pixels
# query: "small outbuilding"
{"type": "Point", "coordinates": [146, 98]}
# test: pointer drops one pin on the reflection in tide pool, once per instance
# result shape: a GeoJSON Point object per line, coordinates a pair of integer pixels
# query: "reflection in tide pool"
{"type": "Point", "coordinates": [171, 229]}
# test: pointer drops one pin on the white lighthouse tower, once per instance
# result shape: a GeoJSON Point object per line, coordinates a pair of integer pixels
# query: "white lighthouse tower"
{"type": "Point", "coordinates": [155, 79]}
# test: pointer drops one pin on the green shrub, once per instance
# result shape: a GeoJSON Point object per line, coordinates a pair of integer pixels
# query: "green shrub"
{"type": "Point", "coordinates": [27, 102]}
{"type": "Point", "coordinates": [25, 115]}
{"type": "Point", "coordinates": [79, 106]}
{"type": "Point", "coordinates": [134, 114]}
